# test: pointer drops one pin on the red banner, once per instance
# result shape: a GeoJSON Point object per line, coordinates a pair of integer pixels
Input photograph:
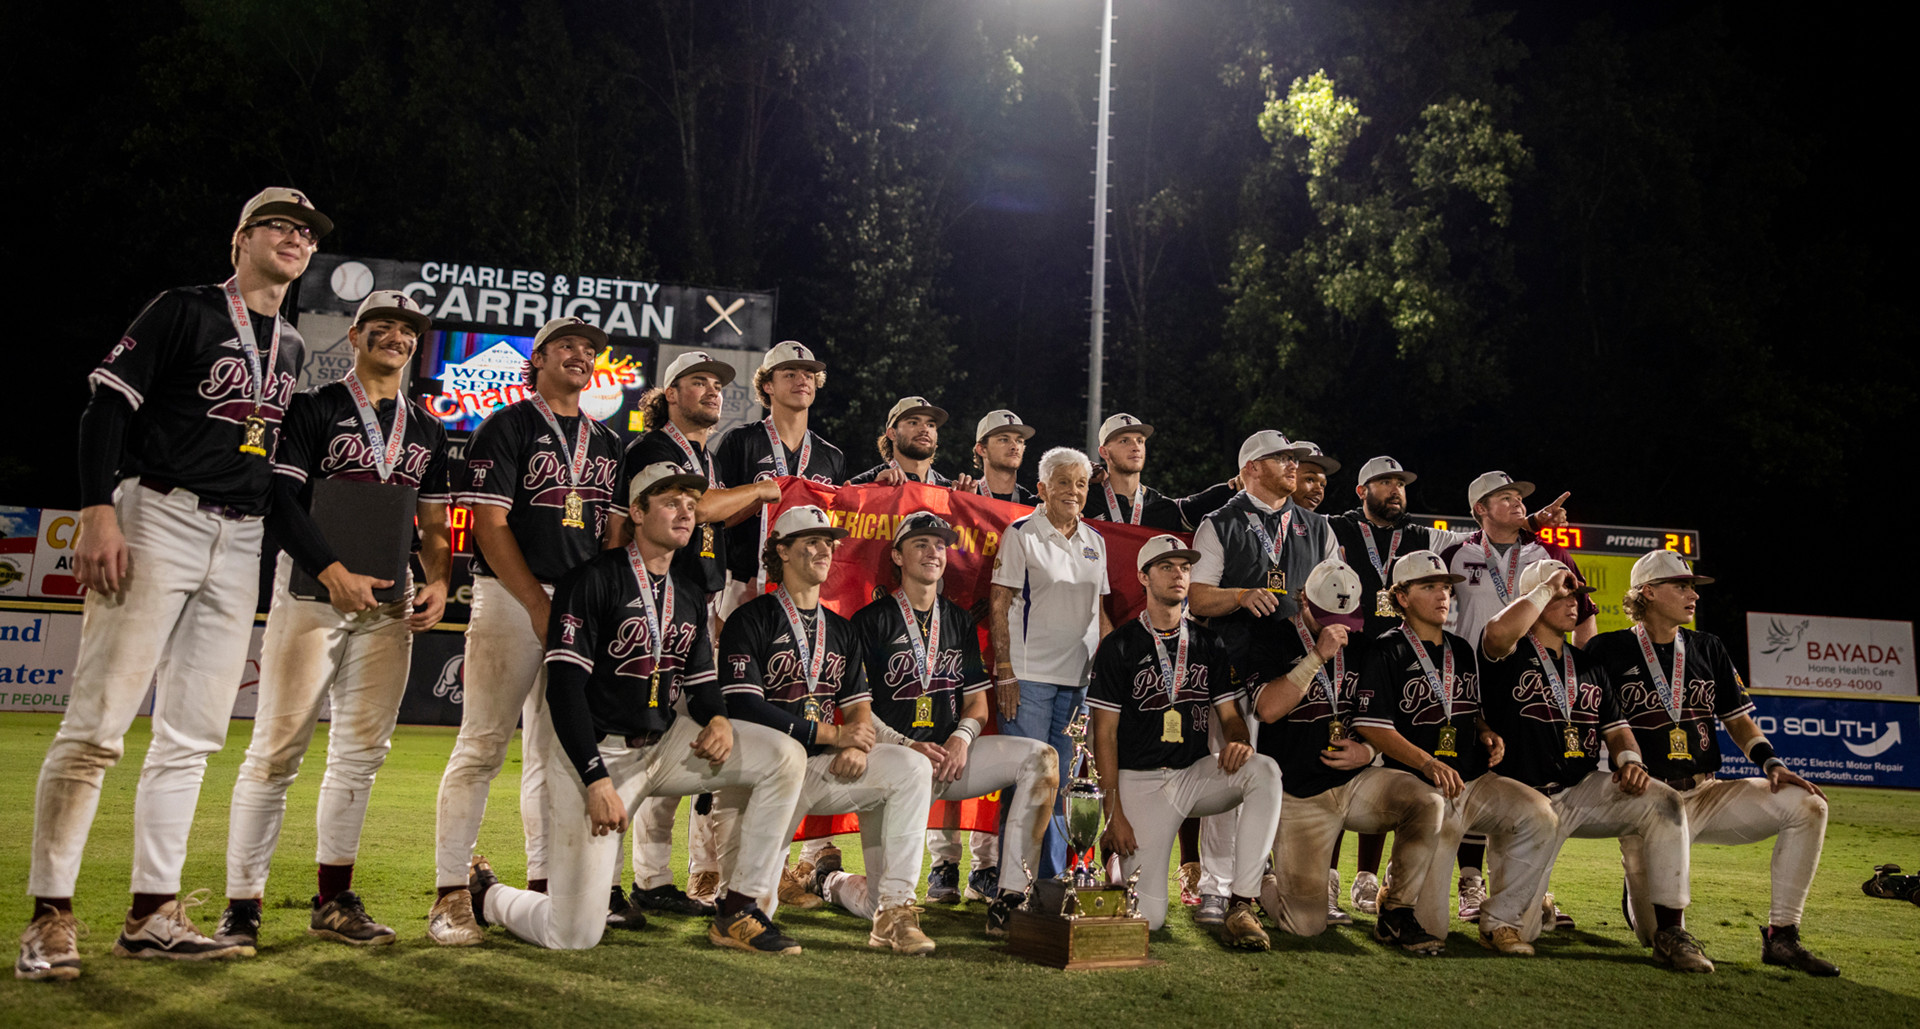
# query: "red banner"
{"type": "Point", "coordinates": [863, 571]}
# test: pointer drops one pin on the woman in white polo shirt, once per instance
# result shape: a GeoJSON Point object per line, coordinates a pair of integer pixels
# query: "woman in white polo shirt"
{"type": "Point", "coordinates": [1048, 578]}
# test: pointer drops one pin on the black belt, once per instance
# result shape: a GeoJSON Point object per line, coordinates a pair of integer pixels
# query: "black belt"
{"type": "Point", "coordinates": [1683, 783]}
{"type": "Point", "coordinates": [231, 512]}
{"type": "Point", "coordinates": [1550, 789]}
{"type": "Point", "coordinates": [645, 739]}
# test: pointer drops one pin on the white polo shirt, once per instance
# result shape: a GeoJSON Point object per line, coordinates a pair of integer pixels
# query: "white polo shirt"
{"type": "Point", "coordinates": [1058, 580]}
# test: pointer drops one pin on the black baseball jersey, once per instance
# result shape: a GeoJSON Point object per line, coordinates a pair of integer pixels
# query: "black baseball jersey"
{"type": "Point", "coordinates": [759, 658]}
{"type": "Point", "coordinates": [1714, 691]}
{"type": "Point", "coordinates": [1159, 514]}
{"type": "Point", "coordinates": [323, 438]}
{"type": "Point", "coordinates": [514, 462]}
{"type": "Point", "coordinates": [1126, 679]}
{"type": "Point", "coordinates": [1020, 494]}
{"type": "Point", "coordinates": [887, 651]}
{"type": "Point", "coordinates": [1394, 694]}
{"type": "Point", "coordinates": [1348, 528]}
{"type": "Point", "coordinates": [709, 573]}
{"type": "Point", "coordinates": [934, 478]}
{"type": "Point", "coordinates": [1296, 741]}
{"type": "Point", "coordinates": [1520, 707]}
{"type": "Point", "coordinates": [745, 455]}
{"type": "Point", "coordinates": [599, 623]}
{"type": "Point", "coordinates": [182, 371]}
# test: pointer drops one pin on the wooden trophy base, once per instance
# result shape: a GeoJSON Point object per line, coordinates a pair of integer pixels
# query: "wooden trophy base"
{"type": "Point", "coordinates": [1078, 943]}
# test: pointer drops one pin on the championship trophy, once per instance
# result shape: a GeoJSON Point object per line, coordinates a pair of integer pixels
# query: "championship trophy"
{"type": "Point", "coordinates": [1079, 920]}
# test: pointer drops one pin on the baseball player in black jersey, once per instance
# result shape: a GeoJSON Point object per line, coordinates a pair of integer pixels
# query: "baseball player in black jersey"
{"type": "Point", "coordinates": [1419, 705]}
{"type": "Point", "coordinates": [1159, 682]}
{"type": "Point", "coordinates": [1117, 495]}
{"type": "Point", "coordinates": [999, 446]}
{"type": "Point", "coordinates": [1672, 684]}
{"type": "Point", "coordinates": [1547, 700]}
{"type": "Point", "coordinates": [930, 693]}
{"type": "Point", "coordinates": [176, 451]}
{"type": "Point", "coordinates": [790, 663]}
{"type": "Point", "coordinates": [787, 382]}
{"type": "Point", "coordinates": [346, 646]}
{"type": "Point", "coordinates": [541, 481]}
{"type": "Point", "coordinates": [1310, 677]}
{"type": "Point", "coordinates": [907, 447]}
{"type": "Point", "coordinates": [627, 654]}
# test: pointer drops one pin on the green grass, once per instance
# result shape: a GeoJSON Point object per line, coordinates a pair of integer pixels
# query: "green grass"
{"type": "Point", "coordinates": [668, 973]}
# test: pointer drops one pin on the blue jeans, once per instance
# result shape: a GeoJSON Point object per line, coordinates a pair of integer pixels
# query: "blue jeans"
{"type": "Point", "coordinates": [1045, 710]}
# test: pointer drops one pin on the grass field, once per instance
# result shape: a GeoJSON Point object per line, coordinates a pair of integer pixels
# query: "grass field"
{"type": "Point", "coordinates": [668, 973]}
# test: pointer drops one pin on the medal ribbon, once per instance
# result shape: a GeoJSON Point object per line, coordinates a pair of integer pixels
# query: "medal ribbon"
{"type": "Point", "coordinates": [779, 468]}
{"type": "Point", "coordinates": [925, 651]}
{"type": "Point", "coordinates": [693, 460]}
{"type": "Point", "coordinates": [1173, 673]}
{"type": "Point", "coordinates": [811, 657]}
{"type": "Point", "coordinates": [1373, 549]}
{"type": "Point", "coordinates": [243, 327]}
{"type": "Point", "coordinates": [1338, 664]}
{"type": "Point", "coordinates": [1673, 695]}
{"type": "Point", "coordinates": [1434, 682]}
{"type": "Point", "coordinates": [1113, 503]}
{"type": "Point", "coordinates": [386, 452]}
{"type": "Point", "coordinates": [658, 619]}
{"type": "Point", "coordinates": [1562, 688]}
{"type": "Point", "coordinates": [1493, 569]}
{"type": "Point", "coordinates": [577, 459]}
{"type": "Point", "coordinates": [1268, 544]}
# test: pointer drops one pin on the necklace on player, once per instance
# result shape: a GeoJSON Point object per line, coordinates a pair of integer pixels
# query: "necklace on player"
{"type": "Point", "coordinates": [1337, 729]}
{"type": "Point", "coordinates": [1440, 684]}
{"type": "Point", "coordinates": [1672, 693]}
{"type": "Point", "coordinates": [1562, 691]}
{"type": "Point", "coordinates": [694, 465]}
{"type": "Point", "coordinates": [811, 657]}
{"type": "Point", "coordinates": [254, 440]}
{"type": "Point", "coordinates": [926, 651]}
{"type": "Point", "coordinates": [386, 452]}
{"type": "Point", "coordinates": [1173, 672]}
{"type": "Point", "coordinates": [658, 619]}
{"type": "Point", "coordinates": [574, 515]}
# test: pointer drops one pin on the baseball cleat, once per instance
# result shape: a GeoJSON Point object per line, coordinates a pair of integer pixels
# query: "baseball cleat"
{"type": "Point", "coordinates": [669, 899]}
{"type": "Point", "coordinates": [1473, 893]}
{"type": "Point", "coordinates": [1335, 916]}
{"type": "Point", "coordinates": [1506, 939]}
{"type": "Point", "coordinates": [1212, 911]}
{"type": "Point", "coordinates": [1887, 883]}
{"type": "Point", "coordinates": [480, 879]}
{"type": "Point", "coordinates": [983, 883]}
{"type": "Point", "coordinates": [49, 948]}
{"type": "Point", "coordinates": [794, 892]}
{"type": "Point", "coordinates": [624, 914]}
{"type": "Point", "coordinates": [239, 924]}
{"type": "Point", "coordinates": [1000, 913]}
{"type": "Point", "coordinates": [828, 864]}
{"type": "Point", "coordinates": [704, 888]}
{"type": "Point", "coordinates": [1242, 930]}
{"type": "Point", "coordinates": [1676, 947]}
{"type": "Point", "coordinates": [1561, 920]}
{"type": "Point", "coordinates": [1366, 893]}
{"type": "Point", "coordinates": [169, 933]}
{"type": "Point", "coordinates": [1399, 927]}
{"type": "Point", "coordinates": [751, 931]}
{"type": "Point", "coordinates": [943, 883]}
{"type": "Point", "coordinates": [1190, 883]}
{"type": "Point", "coordinates": [345, 919]}
{"type": "Point", "coordinates": [451, 923]}
{"type": "Point", "coordinates": [898, 927]}
{"type": "Point", "coordinates": [1780, 945]}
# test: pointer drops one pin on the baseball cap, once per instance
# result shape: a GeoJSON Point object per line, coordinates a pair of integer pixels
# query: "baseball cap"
{"type": "Point", "coordinates": [1542, 570]}
{"type": "Point", "coordinates": [924, 523]}
{"type": "Point", "coordinates": [1314, 457]}
{"type": "Point", "coordinates": [1664, 566]}
{"type": "Point", "coordinates": [391, 303]}
{"type": "Point", "coordinates": [1333, 594]}
{"type": "Point", "coordinates": [915, 405]}
{"type": "Point", "coordinates": [1162, 548]}
{"type": "Point", "coordinates": [569, 326]}
{"type": "Point", "coordinates": [1001, 420]}
{"type": "Point", "coordinates": [1489, 483]}
{"type": "Point", "coordinates": [791, 354]}
{"type": "Point", "coordinates": [283, 201]}
{"type": "Point", "coordinates": [1383, 466]}
{"type": "Point", "coordinates": [696, 361]}
{"type": "Point", "coordinates": [1266, 443]}
{"type": "Point", "coordinates": [805, 520]}
{"type": "Point", "coordinates": [662, 475]}
{"type": "Point", "coordinates": [1120, 423]}
{"type": "Point", "coordinates": [1421, 565]}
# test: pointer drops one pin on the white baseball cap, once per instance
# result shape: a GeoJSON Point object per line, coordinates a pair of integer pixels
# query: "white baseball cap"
{"type": "Point", "coordinates": [1664, 566]}
{"type": "Point", "coordinates": [998, 421]}
{"type": "Point", "coordinates": [791, 354]}
{"type": "Point", "coordinates": [1266, 443]}
{"type": "Point", "coordinates": [1383, 466]}
{"type": "Point", "coordinates": [292, 203]}
{"type": "Point", "coordinates": [924, 523]}
{"type": "Point", "coordinates": [915, 405]}
{"type": "Point", "coordinates": [1421, 565]}
{"type": "Point", "coordinates": [696, 361]}
{"type": "Point", "coordinates": [1120, 423]}
{"type": "Point", "coordinates": [1542, 570]}
{"type": "Point", "coordinates": [805, 520]}
{"type": "Point", "coordinates": [1314, 457]}
{"type": "Point", "coordinates": [1490, 483]}
{"type": "Point", "coordinates": [569, 326]}
{"type": "Point", "coordinates": [662, 475]}
{"type": "Point", "coordinates": [1333, 594]}
{"type": "Point", "coordinates": [391, 303]}
{"type": "Point", "coordinates": [1163, 547]}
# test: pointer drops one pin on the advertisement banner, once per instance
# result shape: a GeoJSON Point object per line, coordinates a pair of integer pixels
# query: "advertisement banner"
{"type": "Point", "coordinates": [1856, 656]}
{"type": "Point", "coordinates": [1835, 740]}
{"type": "Point", "coordinates": [53, 556]}
{"type": "Point", "coordinates": [19, 536]}
{"type": "Point", "coordinates": [37, 652]}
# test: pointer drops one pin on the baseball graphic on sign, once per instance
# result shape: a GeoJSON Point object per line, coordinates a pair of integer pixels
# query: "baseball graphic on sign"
{"type": "Point", "coordinates": [352, 281]}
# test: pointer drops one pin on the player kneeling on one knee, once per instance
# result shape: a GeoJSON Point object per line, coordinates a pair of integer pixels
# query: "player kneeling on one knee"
{"type": "Point", "coordinates": [1157, 680]}
{"type": "Point", "coordinates": [627, 646]}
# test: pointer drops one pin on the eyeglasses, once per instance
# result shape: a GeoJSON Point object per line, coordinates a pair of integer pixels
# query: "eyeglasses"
{"type": "Point", "coordinates": [288, 228]}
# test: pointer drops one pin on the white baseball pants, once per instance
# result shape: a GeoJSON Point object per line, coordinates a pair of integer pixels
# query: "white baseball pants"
{"type": "Point", "coordinates": [1219, 834]}
{"type": "Point", "coordinates": [1519, 822]}
{"type": "Point", "coordinates": [1157, 801]}
{"type": "Point", "coordinates": [1595, 808]}
{"type": "Point", "coordinates": [1376, 800]}
{"type": "Point", "coordinates": [983, 847]}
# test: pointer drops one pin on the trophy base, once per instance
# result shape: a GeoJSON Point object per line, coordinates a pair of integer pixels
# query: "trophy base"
{"type": "Point", "coordinates": [1079, 943]}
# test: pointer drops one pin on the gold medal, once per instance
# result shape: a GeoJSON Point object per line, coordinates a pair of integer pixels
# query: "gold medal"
{"type": "Point", "coordinates": [923, 712]}
{"type": "Point", "coordinates": [1573, 743]}
{"type": "Point", "coordinates": [1336, 731]}
{"type": "Point", "coordinates": [1170, 727]}
{"type": "Point", "coordinates": [813, 712]}
{"type": "Point", "coordinates": [1276, 581]}
{"type": "Point", "coordinates": [706, 540]}
{"type": "Point", "coordinates": [256, 439]}
{"type": "Point", "coordinates": [653, 698]}
{"type": "Point", "coordinates": [1449, 737]}
{"type": "Point", "coordinates": [1677, 745]}
{"type": "Point", "coordinates": [574, 518]}
{"type": "Point", "coordinates": [1383, 605]}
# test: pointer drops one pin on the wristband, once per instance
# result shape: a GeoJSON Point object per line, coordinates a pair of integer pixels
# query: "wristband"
{"type": "Point", "coordinates": [1772, 763]}
{"type": "Point", "coordinates": [968, 729]}
{"type": "Point", "coordinates": [1541, 596]}
{"type": "Point", "coordinates": [1628, 757]}
{"type": "Point", "coordinates": [1761, 752]}
{"type": "Point", "coordinates": [1373, 753]}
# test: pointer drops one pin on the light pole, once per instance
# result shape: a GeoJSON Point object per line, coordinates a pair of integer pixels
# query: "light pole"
{"type": "Point", "coordinates": [1096, 357]}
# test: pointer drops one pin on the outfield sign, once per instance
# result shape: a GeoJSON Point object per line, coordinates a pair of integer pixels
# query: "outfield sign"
{"type": "Point", "coordinates": [38, 650]}
{"type": "Point", "coordinates": [1819, 653]}
{"type": "Point", "coordinates": [1837, 741]}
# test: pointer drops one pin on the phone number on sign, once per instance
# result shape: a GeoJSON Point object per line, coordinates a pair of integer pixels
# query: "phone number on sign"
{"type": "Point", "coordinates": [1806, 682]}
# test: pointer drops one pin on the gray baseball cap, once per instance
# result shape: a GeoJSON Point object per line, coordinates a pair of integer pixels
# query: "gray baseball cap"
{"type": "Point", "coordinates": [391, 303]}
{"type": "Point", "coordinates": [1489, 483]}
{"type": "Point", "coordinates": [1383, 466]}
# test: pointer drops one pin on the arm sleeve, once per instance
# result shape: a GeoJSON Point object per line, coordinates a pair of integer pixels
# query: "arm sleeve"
{"type": "Point", "coordinates": [1195, 509]}
{"type": "Point", "coordinates": [742, 686]}
{"type": "Point", "coordinates": [103, 437]}
{"type": "Point", "coordinates": [702, 682]}
{"type": "Point", "coordinates": [572, 635]}
{"type": "Point", "coordinates": [293, 526]}
{"type": "Point", "coordinates": [1729, 690]}
{"type": "Point", "coordinates": [865, 477]}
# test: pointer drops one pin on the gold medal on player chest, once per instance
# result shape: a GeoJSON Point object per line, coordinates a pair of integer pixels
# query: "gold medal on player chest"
{"type": "Point", "coordinates": [255, 442]}
{"type": "Point", "coordinates": [1677, 745]}
{"type": "Point", "coordinates": [1276, 581]}
{"type": "Point", "coordinates": [1573, 743]}
{"type": "Point", "coordinates": [574, 518]}
{"type": "Point", "coordinates": [1336, 732]}
{"type": "Point", "coordinates": [706, 540]}
{"type": "Point", "coordinates": [1383, 605]}
{"type": "Point", "coordinates": [1449, 742]}
{"type": "Point", "coordinates": [653, 694]}
{"type": "Point", "coordinates": [813, 713]}
{"type": "Point", "coordinates": [1170, 727]}
{"type": "Point", "coordinates": [923, 712]}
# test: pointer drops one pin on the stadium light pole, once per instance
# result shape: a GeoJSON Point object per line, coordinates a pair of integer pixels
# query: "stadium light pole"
{"type": "Point", "coordinates": [1096, 356]}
